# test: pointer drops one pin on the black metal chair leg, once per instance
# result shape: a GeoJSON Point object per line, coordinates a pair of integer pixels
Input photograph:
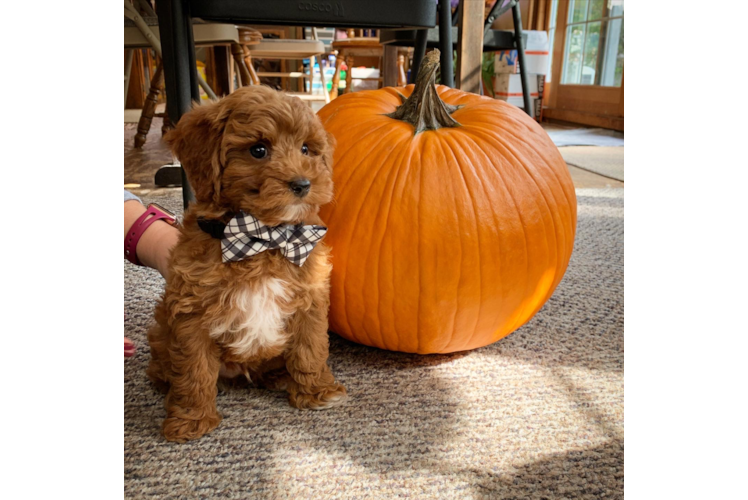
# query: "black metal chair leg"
{"type": "Point", "coordinates": [180, 70]}
{"type": "Point", "coordinates": [445, 42]}
{"type": "Point", "coordinates": [418, 52]}
{"type": "Point", "coordinates": [521, 57]}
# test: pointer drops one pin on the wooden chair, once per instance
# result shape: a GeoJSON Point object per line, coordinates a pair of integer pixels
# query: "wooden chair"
{"type": "Point", "coordinates": [356, 44]}
{"type": "Point", "coordinates": [248, 37]}
{"type": "Point", "coordinates": [402, 78]}
{"type": "Point", "coordinates": [285, 49]}
{"type": "Point", "coordinates": [142, 32]}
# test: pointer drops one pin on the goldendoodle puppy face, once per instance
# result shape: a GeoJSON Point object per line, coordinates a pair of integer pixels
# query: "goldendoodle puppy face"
{"type": "Point", "coordinates": [259, 151]}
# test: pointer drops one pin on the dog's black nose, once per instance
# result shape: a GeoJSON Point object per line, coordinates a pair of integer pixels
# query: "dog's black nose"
{"type": "Point", "coordinates": [300, 187]}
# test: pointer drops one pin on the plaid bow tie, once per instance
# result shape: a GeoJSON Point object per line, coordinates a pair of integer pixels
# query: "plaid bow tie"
{"type": "Point", "coordinates": [245, 236]}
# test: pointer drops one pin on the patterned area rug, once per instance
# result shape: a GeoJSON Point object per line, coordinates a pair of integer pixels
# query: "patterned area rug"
{"type": "Point", "coordinates": [538, 414]}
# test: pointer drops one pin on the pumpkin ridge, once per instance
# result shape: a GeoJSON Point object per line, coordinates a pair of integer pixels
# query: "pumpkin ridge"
{"type": "Point", "coordinates": [420, 242]}
{"type": "Point", "coordinates": [353, 149]}
{"type": "Point", "coordinates": [519, 317]}
{"type": "Point", "coordinates": [559, 242]}
{"type": "Point", "coordinates": [495, 134]}
{"type": "Point", "coordinates": [560, 255]}
{"type": "Point", "coordinates": [459, 226]}
{"type": "Point", "coordinates": [504, 150]}
{"type": "Point", "coordinates": [395, 92]}
{"type": "Point", "coordinates": [561, 218]}
{"type": "Point", "coordinates": [339, 157]}
{"type": "Point", "coordinates": [435, 274]}
{"type": "Point", "coordinates": [361, 99]}
{"type": "Point", "coordinates": [507, 190]}
{"type": "Point", "coordinates": [465, 101]}
{"type": "Point", "coordinates": [480, 183]}
{"type": "Point", "coordinates": [367, 197]}
{"type": "Point", "coordinates": [392, 174]}
{"type": "Point", "coordinates": [508, 151]}
{"type": "Point", "coordinates": [358, 213]}
{"type": "Point", "coordinates": [404, 161]}
{"type": "Point", "coordinates": [559, 236]}
{"type": "Point", "coordinates": [550, 168]}
{"type": "Point", "coordinates": [408, 173]}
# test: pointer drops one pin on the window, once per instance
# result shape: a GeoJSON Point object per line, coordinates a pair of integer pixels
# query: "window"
{"type": "Point", "coordinates": [552, 36]}
{"type": "Point", "coordinates": [594, 43]}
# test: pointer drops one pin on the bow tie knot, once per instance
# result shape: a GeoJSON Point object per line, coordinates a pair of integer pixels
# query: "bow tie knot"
{"type": "Point", "coordinates": [245, 236]}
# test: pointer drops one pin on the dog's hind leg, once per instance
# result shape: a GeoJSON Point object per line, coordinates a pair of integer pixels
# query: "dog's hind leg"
{"type": "Point", "coordinates": [273, 375]}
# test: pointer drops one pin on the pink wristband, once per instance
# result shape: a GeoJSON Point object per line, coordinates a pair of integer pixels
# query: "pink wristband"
{"type": "Point", "coordinates": [151, 215]}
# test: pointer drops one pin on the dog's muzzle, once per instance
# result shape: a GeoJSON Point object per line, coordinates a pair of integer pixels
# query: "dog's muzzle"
{"type": "Point", "coordinates": [300, 187]}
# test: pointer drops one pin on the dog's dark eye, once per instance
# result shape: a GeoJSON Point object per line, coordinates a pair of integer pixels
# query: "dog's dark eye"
{"type": "Point", "coordinates": [258, 151]}
{"type": "Point", "coordinates": [305, 149]}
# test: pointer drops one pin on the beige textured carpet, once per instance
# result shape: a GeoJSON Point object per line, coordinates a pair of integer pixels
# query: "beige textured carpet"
{"type": "Point", "coordinates": [607, 161]}
{"type": "Point", "coordinates": [537, 415]}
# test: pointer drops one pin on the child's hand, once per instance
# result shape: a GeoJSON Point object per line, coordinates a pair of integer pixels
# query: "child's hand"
{"type": "Point", "coordinates": [129, 348]}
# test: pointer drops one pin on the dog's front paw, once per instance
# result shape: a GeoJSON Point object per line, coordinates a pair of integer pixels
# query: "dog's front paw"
{"type": "Point", "coordinates": [321, 399]}
{"type": "Point", "coordinates": [182, 430]}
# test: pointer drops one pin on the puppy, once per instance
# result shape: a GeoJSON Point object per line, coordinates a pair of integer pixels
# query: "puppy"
{"type": "Point", "coordinates": [249, 286]}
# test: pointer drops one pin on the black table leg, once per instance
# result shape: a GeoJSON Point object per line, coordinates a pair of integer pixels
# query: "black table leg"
{"type": "Point", "coordinates": [180, 70]}
{"type": "Point", "coordinates": [521, 57]}
{"type": "Point", "coordinates": [418, 52]}
{"type": "Point", "coordinates": [445, 43]}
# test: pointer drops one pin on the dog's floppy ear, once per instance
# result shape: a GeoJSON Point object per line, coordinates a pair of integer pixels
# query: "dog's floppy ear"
{"type": "Point", "coordinates": [328, 153]}
{"type": "Point", "coordinates": [196, 142]}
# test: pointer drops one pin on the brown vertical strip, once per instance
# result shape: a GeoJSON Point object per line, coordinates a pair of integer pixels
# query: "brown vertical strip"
{"type": "Point", "coordinates": [390, 66]}
{"type": "Point", "coordinates": [137, 90]}
{"type": "Point", "coordinates": [470, 46]}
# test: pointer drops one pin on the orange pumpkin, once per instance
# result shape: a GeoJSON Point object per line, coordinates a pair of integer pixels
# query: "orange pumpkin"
{"type": "Point", "coordinates": [453, 221]}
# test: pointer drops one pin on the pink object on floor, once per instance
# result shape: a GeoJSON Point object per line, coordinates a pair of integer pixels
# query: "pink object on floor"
{"type": "Point", "coordinates": [129, 348]}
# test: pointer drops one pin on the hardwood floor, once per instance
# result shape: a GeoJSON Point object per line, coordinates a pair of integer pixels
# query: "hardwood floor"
{"type": "Point", "coordinates": [141, 164]}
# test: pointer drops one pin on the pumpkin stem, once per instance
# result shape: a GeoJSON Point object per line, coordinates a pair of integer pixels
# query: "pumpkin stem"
{"type": "Point", "coordinates": [424, 109]}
